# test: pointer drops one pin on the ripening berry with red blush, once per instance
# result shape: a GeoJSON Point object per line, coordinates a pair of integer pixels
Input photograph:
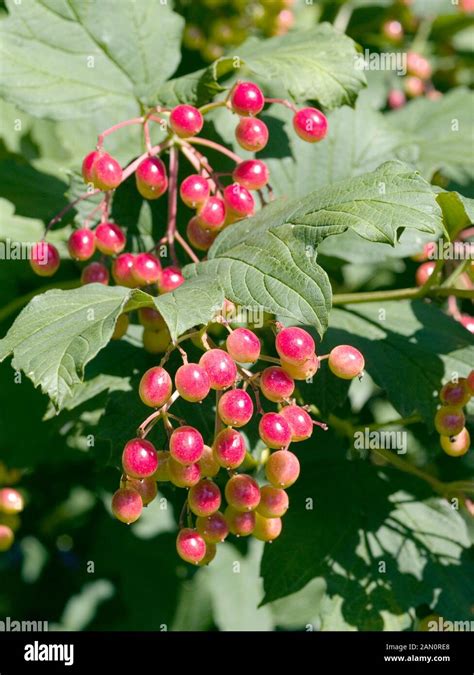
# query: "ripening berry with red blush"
{"type": "Point", "coordinates": [251, 134]}
{"type": "Point", "coordinates": [396, 99]}
{"type": "Point", "coordinates": [247, 99]}
{"type": "Point", "coordinates": [151, 178]}
{"type": "Point", "coordinates": [235, 408]}
{"type": "Point", "coordinates": [186, 445]}
{"type": "Point", "coordinates": [127, 505]}
{"type": "Point", "coordinates": [302, 371]}
{"type": "Point", "coordinates": [424, 272]}
{"type": "Point", "coordinates": [274, 430]}
{"type": "Point", "coordinates": [194, 190]}
{"type": "Point", "coordinates": [455, 393]}
{"type": "Point", "coordinates": [198, 236]}
{"type": "Point", "coordinates": [44, 259]}
{"type": "Point", "coordinates": [252, 174]}
{"type": "Point", "coordinates": [243, 345]}
{"type": "Point", "coordinates": [81, 244]}
{"type": "Point", "coordinates": [300, 422]}
{"type": "Point", "coordinates": [192, 382]}
{"type": "Point", "coordinates": [242, 493]}
{"type": "Point", "coordinates": [170, 279]}
{"type": "Point", "coordinates": [414, 86]}
{"type": "Point", "coordinates": [183, 476]}
{"type": "Point", "coordinates": [418, 66]}
{"type": "Point", "coordinates": [468, 322]}
{"type": "Point", "coordinates": [273, 503]}
{"type": "Point", "coordinates": [156, 341]}
{"type": "Point", "coordinates": [449, 420]}
{"type": "Point", "coordinates": [470, 382]}
{"type": "Point", "coordinates": [211, 215]}
{"type": "Point", "coordinates": [346, 362]}
{"type": "Point", "coordinates": [95, 273]}
{"type": "Point", "coordinates": [213, 529]}
{"type": "Point", "coordinates": [208, 464]}
{"type": "Point", "coordinates": [238, 200]}
{"type": "Point", "coordinates": [122, 270]}
{"type": "Point", "coordinates": [186, 121]}
{"type": "Point", "coordinates": [266, 529]}
{"type": "Point", "coordinates": [310, 124]}
{"type": "Point", "coordinates": [220, 368]}
{"type": "Point", "coordinates": [106, 172]}
{"type": "Point", "coordinates": [276, 384]}
{"type": "Point", "coordinates": [146, 269]}
{"type": "Point", "coordinates": [11, 501]}
{"type": "Point", "coordinates": [190, 546]}
{"type": "Point", "coordinates": [229, 448]}
{"type": "Point", "coordinates": [456, 446]}
{"type": "Point", "coordinates": [110, 238]}
{"type": "Point", "coordinates": [139, 458]}
{"type": "Point", "coordinates": [294, 345]}
{"type": "Point", "coordinates": [88, 165]}
{"type": "Point", "coordinates": [204, 498]}
{"type": "Point", "coordinates": [155, 387]}
{"type": "Point", "coordinates": [393, 30]}
{"type": "Point", "coordinates": [151, 318]}
{"type": "Point", "coordinates": [146, 488]}
{"type": "Point", "coordinates": [6, 538]}
{"type": "Point", "coordinates": [282, 469]}
{"type": "Point", "coordinates": [241, 523]}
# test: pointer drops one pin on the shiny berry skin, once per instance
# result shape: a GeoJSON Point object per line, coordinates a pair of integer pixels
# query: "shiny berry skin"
{"type": "Point", "coordinates": [242, 493]}
{"type": "Point", "coordinates": [139, 458]}
{"type": "Point", "coordinates": [170, 279]}
{"type": "Point", "coordinates": [186, 120]}
{"type": "Point", "coordinates": [449, 421]}
{"type": "Point", "coordinates": [238, 200]}
{"type": "Point", "coordinates": [424, 272]}
{"type": "Point", "coordinates": [251, 134]}
{"type": "Point", "coordinates": [121, 327]}
{"type": "Point", "coordinates": [204, 498]}
{"type": "Point", "coordinates": [192, 382]}
{"type": "Point", "coordinates": [300, 422]}
{"type": "Point", "coordinates": [243, 345]}
{"type": "Point", "coordinates": [235, 408]}
{"type": "Point", "coordinates": [252, 174]}
{"type": "Point", "coordinates": [11, 501]}
{"type": "Point", "coordinates": [310, 124]}
{"type": "Point", "coordinates": [146, 269]}
{"type": "Point", "coordinates": [95, 273]}
{"type": "Point", "coordinates": [155, 387]}
{"type": "Point", "coordinates": [274, 430]}
{"type": "Point", "coordinates": [6, 538]}
{"type": "Point", "coordinates": [211, 215]}
{"type": "Point", "coordinates": [127, 505]}
{"type": "Point", "coordinates": [346, 362]}
{"type": "Point", "coordinates": [194, 190]}
{"type": "Point", "coordinates": [211, 550]}
{"type": "Point", "coordinates": [266, 529]}
{"type": "Point", "coordinates": [156, 341]}
{"type": "Point", "coordinates": [229, 448]}
{"type": "Point", "coordinates": [282, 468]}
{"type": "Point", "coordinates": [107, 172]}
{"type": "Point", "coordinates": [183, 476]}
{"type": "Point", "coordinates": [247, 99]}
{"type": "Point", "coordinates": [198, 236]}
{"type": "Point", "coordinates": [396, 99]}
{"type": "Point", "coordinates": [468, 322]}
{"type": "Point", "coordinates": [44, 259]}
{"type": "Point", "coordinates": [302, 371]}
{"type": "Point", "coordinates": [151, 318]}
{"type": "Point", "coordinates": [186, 445]}
{"type": "Point", "coordinates": [456, 446]}
{"type": "Point", "coordinates": [273, 502]}
{"type": "Point", "coordinates": [276, 384]}
{"type": "Point", "coordinates": [418, 66]}
{"type": "Point", "coordinates": [208, 463]}
{"type": "Point", "coordinates": [241, 523]}
{"type": "Point", "coordinates": [122, 270]}
{"type": "Point", "coordinates": [455, 393]}
{"type": "Point", "coordinates": [110, 238]}
{"type": "Point", "coordinates": [213, 529]}
{"type": "Point", "coordinates": [393, 30]}
{"type": "Point", "coordinates": [294, 345]}
{"type": "Point", "coordinates": [146, 488]}
{"type": "Point", "coordinates": [81, 244]}
{"type": "Point", "coordinates": [220, 368]}
{"type": "Point", "coordinates": [162, 473]}
{"type": "Point", "coordinates": [151, 178]}
{"type": "Point", "coordinates": [190, 546]}
{"type": "Point", "coordinates": [88, 166]}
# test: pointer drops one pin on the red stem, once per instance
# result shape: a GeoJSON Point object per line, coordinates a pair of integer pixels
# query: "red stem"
{"type": "Point", "coordinates": [173, 202]}
{"type": "Point", "coordinates": [116, 127]}
{"type": "Point", "coordinates": [216, 146]}
{"type": "Point", "coordinates": [185, 246]}
{"type": "Point", "coordinates": [282, 101]}
{"type": "Point", "coordinates": [67, 208]}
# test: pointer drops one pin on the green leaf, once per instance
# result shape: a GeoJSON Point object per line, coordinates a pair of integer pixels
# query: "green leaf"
{"type": "Point", "coordinates": [457, 212]}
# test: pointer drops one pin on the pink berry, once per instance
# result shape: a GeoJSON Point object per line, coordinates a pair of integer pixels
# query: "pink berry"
{"type": "Point", "coordinates": [95, 273]}
{"type": "Point", "coordinates": [107, 172]}
{"type": "Point", "coordinates": [252, 174]}
{"type": "Point", "coordinates": [190, 546]}
{"type": "Point", "coordinates": [346, 362]}
{"type": "Point", "coordinates": [151, 318]}
{"type": "Point", "coordinates": [211, 215]}
{"type": "Point", "coordinates": [122, 270]}
{"type": "Point", "coordinates": [208, 463]}
{"type": "Point", "coordinates": [273, 502]}
{"type": "Point", "coordinates": [127, 505]}
{"type": "Point", "coordinates": [424, 272]}
{"type": "Point", "coordinates": [456, 446]}
{"type": "Point", "coordinates": [238, 200]}
{"type": "Point", "coordinates": [194, 190]}
{"type": "Point", "coordinates": [183, 476]}
{"type": "Point", "coordinates": [300, 422]}
{"type": "Point", "coordinates": [449, 420]}
{"type": "Point", "coordinates": [468, 322]}
{"type": "Point", "coordinates": [155, 387]}
{"type": "Point", "coordinates": [146, 488]}
{"type": "Point", "coordinates": [235, 408]}
{"type": "Point", "coordinates": [171, 278]}
{"type": "Point", "coordinates": [396, 99]}
{"type": "Point", "coordinates": [6, 538]}
{"type": "Point", "coordinates": [294, 345]}
{"type": "Point", "coordinates": [204, 498]}
{"type": "Point", "coordinates": [186, 445]}
{"type": "Point", "coordinates": [243, 345]}
{"type": "Point", "coordinates": [11, 501]}
{"type": "Point", "coordinates": [413, 86]}
{"type": "Point", "coordinates": [274, 430]}
{"type": "Point", "coordinates": [192, 382]}
{"type": "Point", "coordinates": [282, 469]}
{"type": "Point", "coordinates": [251, 134]}
{"type": "Point", "coordinates": [241, 523]}
{"type": "Point", "coordinates": [198, 236]}
{"type": "Point", "coordinates": [229, 448]}
{"type": "Point", "coordinates": [276, 384]}
{"type": "Point", "coordinates": [247, 99]}
{"type": "Point", "coordinates": [266, 529]}
{"type": "Point", "coordinates": [220, 368]}
{"type": "Point", "coordinates": [470, 382]}
{"type": "Point", "coordinates": [455, 393]}
{"type": "Point", "coordinates": [393, 30]}
{"type": "Point", "coordinates": [146, 269]}
{"type": "Point", "coordinates": [110, 238]}
{"type": "Point", "coordinates": [213, 529]}
{"type": "Point", "coordinates": [44, 259]}
{"type": "Point", "coordinates": [88, 166]}
{"type": "Point", "coordinates": [242, 493]}
{"type": "Point", "coordinates": [186, 121]}
{"type": "Point", "coordinates": [81, 244]}
{"type": "Point", "coordinates": [139, 458]}
{"type": "Point", "coordinates": [310, 124]}
{"type": "Point", "coordinates": [418, 66]}
{"type": "Point", "coordinates": [301, 371]}
{"type": "Point", "coordinates": [151, 178]}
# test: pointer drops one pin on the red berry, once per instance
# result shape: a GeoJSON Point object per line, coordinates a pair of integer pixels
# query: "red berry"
{"type": "Point", "coordinates": [146, 488]}
{"type": "Point", "coordinates": [238, 200]}
{"type": "Point", "coordinates": [146, 269]}
{"type": "Point", "coordinates": [468, 322]}
{"type": "Point", "coordinates": [251, 134]}
{"type": "Point", "coordinates": [194, 190]}
{"type": "Point", "coordinates": [208, 464]}
{"type": "Point", "coordinates": [455, 393]}
{"type": "Point", "coordinates": [44, 259]}
{"type": "Point", "coordinates": [127, 505]}
{"type": "Point", "coordinates": [107, 172]}
{"type": "Point", "coordinates": [81, 244]}
{"type": "Point", "coordinates": [183, 476]}
{"type": "Point", "coordinates": [243, 345]}
{"type": "Point", "coordinates": [11, 501]}
{"type": "Point", "coordinates": [155, 387]}
{"type": "Point", "coordinates": [266, 529]}
{"type": "Point", "coordinates": [211, 215]}
{"type": "Point", "coordinates": [456, 446]}
{"type": "Point", "coordinates": [200, 238]}
{"type": "Point", "coordinates": [122, 270]}
{"type": "Point", "coordinates": [88, 166]}
{"type": "Point", "coordinates": [235, 408]}
{"type": "Point", "coordinates": [171, 278]}
{"type": "Point", "coordinates": [294, 345]}
{"type": "Point", "coordinates": [192, 382]}
{"type": "Point", "coordinates": [110, 238]}
{"type": "Point", "coordinates": [300, 422]}
{"type": "Point", "coordinates": [204, 498]}
{"type": "Point", "coordinates": [302, 371]}
{"type": "Point", "coordinates": [213, 529]}
{"type": "Point", "coordinates": [424, 272]}
{"type": "Point", "coordinates": [252, 174]}
{"type": "Point", "coordinates": [346, 362]}
{"type": "Point", "coordinates": [139, 458]}
{"type": "Point", "coordinates": [274, 430]}
{"type": "Point", "coordinates": [276, 384]}
{"type": "Point", "coordinates": [151, 178]}
{"type": "Point", "coordinates": [393, 30]}
{"type": "Point", "coordinates": [229, 448]}
{"type": "Point", "coordinates": [95, 273]}
{"type": "Point", "coordinates": [151, 318]}
{"type": "Point", "coordinates": [220, 368]}
{"type": "Point", "coordinates": [449, 421]}
{"type": "Point", "coordinates": [396, 99]}
{"type": "Point", "coordinates": [242, 493]}
{"type": "Point", "coordinates": [186, 445]}
{"type": "Point", "coordinates": [273, 502]}
{"type": "Point", "coordinates": [247, 99]}
{"type": "Point", "coordinates": [240, 523]}
{"type": "Point", "coordinates": [186, 121]}
{"type": "Point", "coordinates": [282, 468]}
{"type": "Point", "coordinates": [418, 66]}
{"type": "Point", "coordinates": [190, 545]}
{"type": "Point", "coordinates": [310, 124]}
{"type": "Point", "coordinates": [6, 538]}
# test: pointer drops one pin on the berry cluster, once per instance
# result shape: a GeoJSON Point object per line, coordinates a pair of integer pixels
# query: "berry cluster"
{"type": "Point", "coordinates": [217, 468]}
{"type": "Point", "coordinates": [11, 504]}
{"type": "Point", "coordinates": [450, 420]}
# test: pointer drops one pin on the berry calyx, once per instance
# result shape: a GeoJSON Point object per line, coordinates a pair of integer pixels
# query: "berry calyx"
{"type": "Point", "coordinates": [81, 244]}
{"type": "Point", "coordinates": [139, 458]}
{"type": "Point", "coordinates": [310, 124]}
{"type": "Point", "coordinates": [247, 99]}
{"type": "Point", "coordinates": [44, 259]}
{"type": "Point", "coordinates": [208, 463]}
{"type": "Point", "coordinates": [186, 445]}
{"type": "Point", "coordinates": [146, 269]}
{"type": "Point", "coordinates": [240, 523]}
{"type": "Point", "coordinates": [122, 270]}
{"type": "Point", "coordinates": [156, 341]}
{"type": "Point", "coordinates": [198, 236]}
{"type": "Point", "coordinates": [252, 174]}
{"type": "Point", "coordinates": [95, 273]}
{"type": "Point", "coordinates": [274, 502]}
{"type": "Point", "coordinates": [455, 393]}
{"type": "Point", "coordinates": [194, 190]}
{"type": "Point", "coordinates": [11, 501]}
{"type": "Point", "coordinates": [186, 121]}
{"type": "Point", "coordinates": [302, 371]}
{"type": "Point", "coordinates": [106, 172]}
{"type": "Point", "coordinates": [220, 368]}
{"type": "Point", "coordinates": [190, 546]}
{"type": "Point", "coordinates": [294, 345]}
{"type": "Point", "coordinates": [151, 318]}
{"type": "Point", "coordinates": [282, 469]}
{"type": "Point", "coordinates": [242, 493]}
{"type": "Point", "coordinates": [213, 529]}
{"type": "Point", "coordinates": [146, 488]}
{"type": "Point", "coordinates": [300, 422]}
{"type": "Point", "coordinates": [456, 446]}
{"type": "Point", "coordinates": [204, 498]}
{"type": "Point", "coordinates": [251, 134]}
{"type": "Point", "coordinates": [121, 327]}
{"type": "Point", "coordinates": [211, 215]}
{"type": "Point", "coordinates": [155, 387]}
{"type": "Point", "coordinates": [243, 345]}
{"type": "Point", "coordinates": [151, 178]}
{"type": "Point", "coordinates": [183, 476]}
{"type": "Point", "coordinates": [192, 382]}
{"type": "Point", "coordinates": [346, 362]}
{"type": "Point", "coordinates": [235, 408]}
{"type": "Point", "coordinates": [449, 421]}
{"type": "Point", "coordinates": [110, 238]}
{"type": "Point", "coordinates": [276, 384]}
{"type": "Point", "coordinates": [266, 529]}
{"type": "Point", "coordinates": [238, 200]}
{"type": "Point", "coordinates": [229, 448]}
{"type": "Point", "coordinates": [171, 278]}
{"type": "Point", "coordinates": [274, 430]}
{"type": "Point", "coordinates": [127, 505]}
{"type": "Point", "coordinates": [6, 538]}
{"type": "Point", "coordinates": [88, 166]}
